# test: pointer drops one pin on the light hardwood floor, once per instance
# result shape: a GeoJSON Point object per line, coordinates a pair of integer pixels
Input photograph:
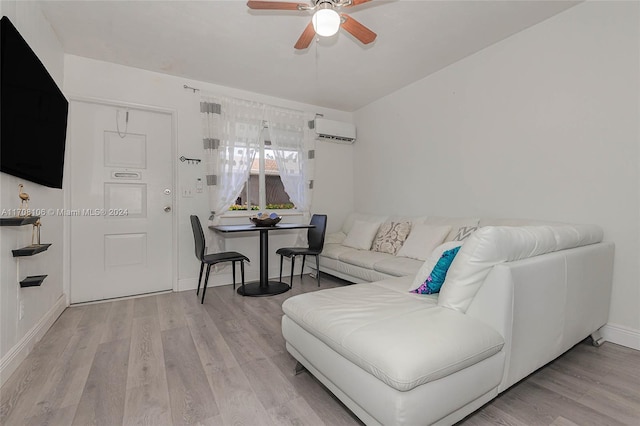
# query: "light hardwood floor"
{"type": "Point", "coordinates": [165, 359]}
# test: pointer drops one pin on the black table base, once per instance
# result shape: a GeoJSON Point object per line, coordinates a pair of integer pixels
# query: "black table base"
{"type": "Point", "coordinates": [255, 290]}
{"type": "Point", "coordinates": [264, 287]}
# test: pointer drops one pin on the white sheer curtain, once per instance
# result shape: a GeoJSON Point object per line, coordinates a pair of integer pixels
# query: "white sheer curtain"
{"type": "Point", "coordinates": [231, 137]}
{"type": "Point", "coordinates": [293, 150]}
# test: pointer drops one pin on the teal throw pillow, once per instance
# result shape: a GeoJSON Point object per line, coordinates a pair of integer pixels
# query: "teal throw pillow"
{"type": "Point", "coordinates": [434, 281]}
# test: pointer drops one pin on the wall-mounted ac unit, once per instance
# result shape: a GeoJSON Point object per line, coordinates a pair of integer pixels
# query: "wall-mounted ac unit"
{"type": "Point", "coordinates": [335, 131]}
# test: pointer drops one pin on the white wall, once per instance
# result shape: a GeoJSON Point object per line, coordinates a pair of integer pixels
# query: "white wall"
{"type": "Point", "coordinates": [40, 305]}
{"type": "Point", "coordinates": [333, 189]}
{"type": "Point", "coordinates": [541, 125]}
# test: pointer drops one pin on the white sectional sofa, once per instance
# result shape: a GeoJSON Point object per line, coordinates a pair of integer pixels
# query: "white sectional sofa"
{"type": "Point", "coordinates": [366, 265]}
{"type": "Point", "coordinates": [514, 298]}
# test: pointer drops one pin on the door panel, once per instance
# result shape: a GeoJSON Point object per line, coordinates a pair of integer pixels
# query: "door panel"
{"type": "Point", "coordinates": [121, 235]}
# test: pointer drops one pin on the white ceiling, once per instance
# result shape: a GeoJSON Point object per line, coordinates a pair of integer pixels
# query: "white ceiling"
{"type": "Point", "coordinates": [225, 43]}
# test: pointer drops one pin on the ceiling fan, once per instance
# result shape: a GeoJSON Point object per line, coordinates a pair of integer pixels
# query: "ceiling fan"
{"type": "Point", "coordinates": [326, 20]}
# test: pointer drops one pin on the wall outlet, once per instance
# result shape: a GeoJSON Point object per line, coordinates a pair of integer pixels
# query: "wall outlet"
{"type": "Point", "coordinates": [187, 193]}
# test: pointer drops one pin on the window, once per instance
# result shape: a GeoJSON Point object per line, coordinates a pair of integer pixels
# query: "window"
{"type": "Point", "coordinates": [264, 189]}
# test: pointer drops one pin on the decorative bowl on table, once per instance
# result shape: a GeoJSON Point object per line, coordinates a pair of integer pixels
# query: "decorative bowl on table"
{"type": "Point", "coordinates": [263, 219]}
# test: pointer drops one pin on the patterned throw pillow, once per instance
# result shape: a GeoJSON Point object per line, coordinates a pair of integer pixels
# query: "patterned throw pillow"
{"type": "Point", "coordinates": [391, 236]}
{"type": "Point", "coordinates": [436, 278]}
{"type": "Point", "coordinates": [464, 232]}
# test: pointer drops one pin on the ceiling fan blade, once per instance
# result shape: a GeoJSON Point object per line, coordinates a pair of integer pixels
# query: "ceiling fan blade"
{"type": "Point", "coordinates": [357, 2]}
{"type": "Point", "coordinates": [274, 5]}
{"type": "Point", "coordinates": [307, 36]}
{"type": "Point", "coordinates": [359, 31]}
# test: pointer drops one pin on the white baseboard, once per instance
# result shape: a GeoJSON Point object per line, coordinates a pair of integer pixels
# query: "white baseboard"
{"type": "Point", "coordinates": [10, 362]}
{"type": "Point", "coordinates": [187, 284]}
{"type": "Point", "coordinates": [621, 335]}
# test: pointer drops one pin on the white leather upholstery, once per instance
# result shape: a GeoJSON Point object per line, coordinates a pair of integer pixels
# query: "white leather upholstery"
{"type": "Point", "coordinates": [569, 236]}
{"type": "Point", "coordinates": [364, 265]}
{"type": "Point", "coordinates": [335, 238]}
{"type": "Point", "coordinates": [428, 342]}
{"type": "Point", "coordinates": [333, 251]}
{"type": "Point", "coordinates": [376, 403]}
{"type": "Point", "coordinates": [358, 266]}
{"type": "Point", "coordinates": [395, 357]}
{"type": "Point", "coordinates": [492, 245]}
{"type": "Point", "coordinates": [398, 266]}
{"type": "Point", "coordinates": [544, 305]}
{"type": "Point", "coordinates": [364, 258]}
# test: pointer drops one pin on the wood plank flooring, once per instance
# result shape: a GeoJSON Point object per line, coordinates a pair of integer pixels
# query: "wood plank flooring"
{"type": "Point", "coordinates": [167, 360]}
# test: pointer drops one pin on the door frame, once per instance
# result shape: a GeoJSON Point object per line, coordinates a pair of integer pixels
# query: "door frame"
{"type": "Point", "coordinates": [66, 256]}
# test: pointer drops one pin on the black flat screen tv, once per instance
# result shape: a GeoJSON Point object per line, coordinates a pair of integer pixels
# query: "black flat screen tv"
{"type": "Point", "coordinates": [33, 113]}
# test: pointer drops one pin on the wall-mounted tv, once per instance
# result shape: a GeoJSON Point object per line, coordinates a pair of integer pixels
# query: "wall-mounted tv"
{"type": "Point", "coordinates": [33, 113]}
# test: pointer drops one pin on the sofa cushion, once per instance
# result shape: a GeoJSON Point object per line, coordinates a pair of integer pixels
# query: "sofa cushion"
{"type": "Point", "coordinates": [497, 244]}
{"type": "Point", "coordinates": [361, 235]}
{"type": "Point", "coordinates": [333, 251]}
{"type": "Point", "coordinates": [391, 236]}
{"type": "Point", "coordinates": [353, 273]}
{"type": "Point", "coordinates": [398, 266]}
{"type": "Point", "coordinates": [461, 227]}
{"type": "Point", "coordinates": [364, 258]}
{"type": "Point", "coordinates": [404, 340]}
{"type": "Point", "coordinates": [422, 240]}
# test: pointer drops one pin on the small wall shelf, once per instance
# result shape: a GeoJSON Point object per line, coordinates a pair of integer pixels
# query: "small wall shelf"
{"type": "Point", "coordinates": [32, 281]}
{"type": "Point", "coordinates": [18, 220]}
{"type": "Point", "coordinates": [30, 250]}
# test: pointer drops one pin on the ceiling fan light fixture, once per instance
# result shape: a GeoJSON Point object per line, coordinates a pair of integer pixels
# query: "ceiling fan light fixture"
{"type": "Point", "coordinates": [326, 22]}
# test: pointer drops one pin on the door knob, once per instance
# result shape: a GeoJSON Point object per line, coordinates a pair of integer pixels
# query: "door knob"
{"type": "Point", "coordinates": [167, 191]}
{"type": "Point", "coordinates": [167, 209]}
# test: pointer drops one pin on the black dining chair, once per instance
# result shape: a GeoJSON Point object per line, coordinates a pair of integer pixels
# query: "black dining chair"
{"type": "Point", "coordinates": [315, 238]}
{"type": "Point", "coordinates": [213, 258]}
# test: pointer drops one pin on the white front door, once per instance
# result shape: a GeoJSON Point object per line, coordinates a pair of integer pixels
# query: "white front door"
{"type": "Point", "coordinates": [121, 201]}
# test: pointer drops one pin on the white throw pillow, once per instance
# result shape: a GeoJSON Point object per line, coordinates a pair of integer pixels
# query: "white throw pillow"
{"type": "Point", "coordinates": [361, 235]}
{"type": "Point", "coordinates": [422, 240]}
{"type": "Point", "coordinates": [428, 264]}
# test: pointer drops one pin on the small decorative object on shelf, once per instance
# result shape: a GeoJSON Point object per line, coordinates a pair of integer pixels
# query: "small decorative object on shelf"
{"type": "Point", "coordinates": [32, 281]}
{"type": "Point", "coordinates": [24, 201]}
{"type": "Point", "coordinates": [263, 219]}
